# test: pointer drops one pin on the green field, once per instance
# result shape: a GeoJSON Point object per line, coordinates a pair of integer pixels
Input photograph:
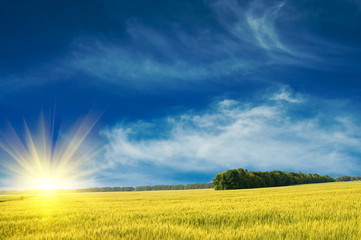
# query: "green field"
{"type": "Point", "coordinates": [313, 211]}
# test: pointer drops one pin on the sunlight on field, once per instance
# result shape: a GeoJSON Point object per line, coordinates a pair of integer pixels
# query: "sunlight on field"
{"type": "Point", "coordinates": [314, 211]}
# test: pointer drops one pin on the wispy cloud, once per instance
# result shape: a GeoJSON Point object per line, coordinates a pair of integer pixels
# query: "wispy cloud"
{"type": "Point", "coordinates": [230, 134]}
{"type": "Point", "coordinates": [256, 24]}
{"type": "Point", "coordinates": [152, 57]}
{"type": "Point", "coordinates": [118, 64]}
{"type": "Point", "coordinates": [263, 25]}
{"type": "Point", "coordinates": [248, 39]}
{"type": "Point", "coordinates": [247, 36]}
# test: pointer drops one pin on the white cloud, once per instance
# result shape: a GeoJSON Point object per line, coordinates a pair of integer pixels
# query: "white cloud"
{"type": "Point", "coordinates": [286, 95]}
{"type": "Point", "coordinates": [231, 135]}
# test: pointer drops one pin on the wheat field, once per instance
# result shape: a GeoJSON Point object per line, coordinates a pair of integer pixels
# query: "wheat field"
{"type": "Point", "coordinates": [313, 211]}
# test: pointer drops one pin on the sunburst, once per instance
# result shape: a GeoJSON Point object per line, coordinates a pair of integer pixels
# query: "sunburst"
{"type": "Point", "coordinates": [44, 160]}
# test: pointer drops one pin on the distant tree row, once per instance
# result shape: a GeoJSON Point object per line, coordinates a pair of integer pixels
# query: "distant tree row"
{"type": "Point", "coordinates": [175, 187]}
{"type": "Point", "coordinates": [104, 189]}
{"type": "Point", "coordinates": [242, 178]}
{"type": "Point", "coordinates": [143, 188]}
{"type": "Point", "coordinates": [347, 178]}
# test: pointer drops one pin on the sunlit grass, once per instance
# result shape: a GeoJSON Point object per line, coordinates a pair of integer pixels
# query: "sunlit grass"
{"type": "Point", "coordinates": [314, 211]}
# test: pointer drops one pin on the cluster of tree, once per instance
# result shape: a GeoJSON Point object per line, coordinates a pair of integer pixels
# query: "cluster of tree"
{"type": "Point", "coordinates": [347, 178]}
{"type": "Point", "coordinates": [242, 178]}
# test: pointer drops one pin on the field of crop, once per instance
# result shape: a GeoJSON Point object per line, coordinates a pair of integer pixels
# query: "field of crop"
{"type": "Point", "coordinates": [314, 211]}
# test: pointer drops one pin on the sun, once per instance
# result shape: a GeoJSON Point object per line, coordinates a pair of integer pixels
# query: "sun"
{"type": "Point", "coordinates": [43, 160]}
{"type": "Point", "coordinates": [49, 181]}
{"type": "Point", "coordinates": [45, 183]}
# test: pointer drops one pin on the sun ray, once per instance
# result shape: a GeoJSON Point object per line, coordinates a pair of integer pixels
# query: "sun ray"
{"type": "Point", "coordinates": [43, 162]}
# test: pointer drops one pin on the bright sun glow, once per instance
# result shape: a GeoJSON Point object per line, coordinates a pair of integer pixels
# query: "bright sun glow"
{"type": "Point", "coordinates": [45, 183]}
{"type": "Point", "coordinates": [45, 162]}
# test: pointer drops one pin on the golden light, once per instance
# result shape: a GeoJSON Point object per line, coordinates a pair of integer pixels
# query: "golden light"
{"type": "Point", "coordinates": [45, 183]}
{"type": "Point", "coordinates": [44, 160]}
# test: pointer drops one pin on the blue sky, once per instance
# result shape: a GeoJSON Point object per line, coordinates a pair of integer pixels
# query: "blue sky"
{"type": "Point", "coordinates": [189, 88]}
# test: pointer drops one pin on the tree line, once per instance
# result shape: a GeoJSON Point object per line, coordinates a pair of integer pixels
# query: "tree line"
{"type": "Point", "coordinates": [242, 178]}
{"type": "Point", "coordinates": [142, 188]}
{"type": "Point", "coordinates": [347, 178]}
{"type": "Point", "coordinates": [230, 179]}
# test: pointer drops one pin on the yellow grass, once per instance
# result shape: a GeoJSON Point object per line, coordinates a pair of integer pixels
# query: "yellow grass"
{"type": "Point", "coordinates": [314, 211]}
